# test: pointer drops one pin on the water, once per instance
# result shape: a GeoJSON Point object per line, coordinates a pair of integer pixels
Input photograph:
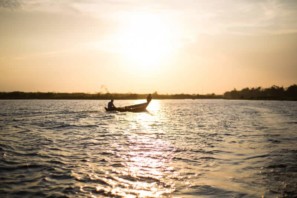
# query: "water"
{"type": "Point", "coordinates": [179, 148]}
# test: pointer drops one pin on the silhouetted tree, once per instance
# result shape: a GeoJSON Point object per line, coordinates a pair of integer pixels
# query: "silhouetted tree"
{"type": "Point", "coordinates": [272, 93]}
{"type": "Point", "coordinates": [291, 91]}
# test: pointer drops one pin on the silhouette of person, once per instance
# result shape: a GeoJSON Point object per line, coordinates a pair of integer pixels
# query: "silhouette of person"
{"type": "Point", "coordinates": [149, 98]}
{"type": "Point", "coordinates": [111, 105]}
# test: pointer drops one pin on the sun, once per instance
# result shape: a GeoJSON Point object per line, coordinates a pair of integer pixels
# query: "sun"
{"type": "Point", "coordinates": [146, 40]}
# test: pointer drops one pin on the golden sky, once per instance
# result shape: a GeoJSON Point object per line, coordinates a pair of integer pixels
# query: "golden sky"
{"type": "Point", "coordinates": [168, 46]}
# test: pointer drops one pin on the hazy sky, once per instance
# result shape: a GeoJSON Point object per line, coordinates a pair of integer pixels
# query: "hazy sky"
{"type": "Point", "coordinates": [169, 46]}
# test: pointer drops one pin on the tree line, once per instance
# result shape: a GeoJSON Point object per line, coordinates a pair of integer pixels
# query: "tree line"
{"type": "Point", "coordinates": [100, 96]}
{"type": "Point", "coordinates": [258, 93]}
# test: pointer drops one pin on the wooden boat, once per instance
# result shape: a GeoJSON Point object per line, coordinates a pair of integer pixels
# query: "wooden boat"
{"type": "Point", "coordinates": [132, 108]}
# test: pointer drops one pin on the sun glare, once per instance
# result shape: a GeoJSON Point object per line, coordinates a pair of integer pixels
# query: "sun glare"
{"type": "Point", "coordinates": [146, 40]}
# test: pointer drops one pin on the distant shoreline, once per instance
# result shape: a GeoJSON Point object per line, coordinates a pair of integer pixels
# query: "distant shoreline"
{"type": "Point", "coordinates": [99, 96]}
{"type": "Point", "coordinates": [272, 93]}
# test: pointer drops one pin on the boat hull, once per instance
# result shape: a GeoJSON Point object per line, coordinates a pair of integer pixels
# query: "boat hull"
{"type": "Point", "coordinates": [132, 108]}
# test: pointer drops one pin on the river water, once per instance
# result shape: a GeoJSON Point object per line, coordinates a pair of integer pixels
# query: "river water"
{"type": "Point", "coordinates": [179, 148]}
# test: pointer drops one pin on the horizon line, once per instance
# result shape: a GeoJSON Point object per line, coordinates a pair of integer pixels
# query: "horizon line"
{"type": "Point", "coordinates": [155, 92]}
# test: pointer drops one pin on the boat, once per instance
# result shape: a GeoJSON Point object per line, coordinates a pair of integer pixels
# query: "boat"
{"type": "Point", "coordinates": [132, 108]}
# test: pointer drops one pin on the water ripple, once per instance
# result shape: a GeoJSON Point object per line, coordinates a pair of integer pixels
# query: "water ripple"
{"type": "Point", "coordinates": [184, 148]}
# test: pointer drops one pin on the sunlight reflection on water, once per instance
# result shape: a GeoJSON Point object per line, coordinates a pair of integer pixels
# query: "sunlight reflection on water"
{"type": "Point", "coordinates": [154, 106]}
{"type": "Point", "coordinates": [146, 158]}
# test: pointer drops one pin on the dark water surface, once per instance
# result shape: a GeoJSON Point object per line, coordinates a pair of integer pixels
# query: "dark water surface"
{"type": "Point", "coordinates": [180, 148]}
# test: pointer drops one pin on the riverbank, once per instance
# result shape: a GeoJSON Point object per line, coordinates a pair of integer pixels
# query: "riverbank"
{"type": "Point", "coordinates": [100, 96]}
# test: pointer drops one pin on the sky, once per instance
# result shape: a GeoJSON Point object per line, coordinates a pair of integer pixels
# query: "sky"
{"type": "Point", "coordinates": [132, 46]}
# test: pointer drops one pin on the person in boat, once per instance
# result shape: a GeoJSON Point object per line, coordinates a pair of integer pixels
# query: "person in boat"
{"type": "Point", "coordinates": [110, 105]}
{"type": "Point", "coordinates": [149, 98]}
